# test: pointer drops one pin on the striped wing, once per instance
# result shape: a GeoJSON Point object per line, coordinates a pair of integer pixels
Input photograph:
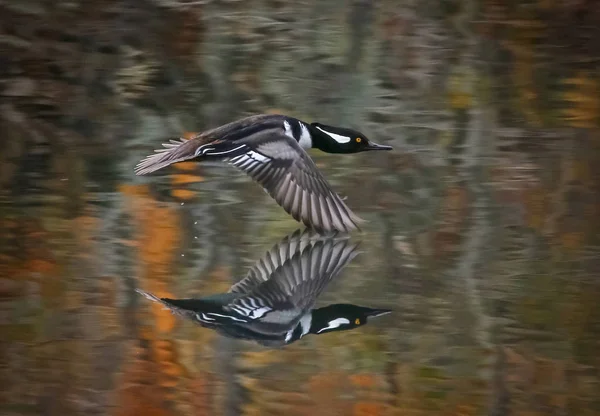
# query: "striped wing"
{"type": "Point", "coordinates": [294, 286]}
{"type": "Point", "coordinates": [220, 141]}
{"type": "Point", "coordinates": [290, 177]}
{"type": "Point", "coordinates": [281, 252]}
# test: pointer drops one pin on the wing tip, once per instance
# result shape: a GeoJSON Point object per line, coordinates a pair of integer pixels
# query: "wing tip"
{"type": "Point", "coordinates": [162, 157]}
{"type": "Point", "coordinates": [152, 163]}
{"type": "Point", "coordinates": [358, 222]}
{"type": "Point", "coordinates": [352, 223]}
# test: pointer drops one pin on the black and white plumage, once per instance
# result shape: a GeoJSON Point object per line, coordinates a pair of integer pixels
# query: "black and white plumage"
{"type": "Point", "coordinates": [271, 150]}
{"type": "Point", "coordinates": [273, 304]}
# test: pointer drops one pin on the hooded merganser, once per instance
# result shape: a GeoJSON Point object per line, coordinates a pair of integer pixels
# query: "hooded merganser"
{"type": "Point", "coordinates": [270, 149]}
{"type": "Point", "coordinates": [273, 304]}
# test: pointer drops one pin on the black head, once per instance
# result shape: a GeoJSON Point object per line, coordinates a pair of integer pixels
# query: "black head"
{"type": "Point", "coordinates": [342, 316]}
{"type": "Point", "coordinates": [341, 140]}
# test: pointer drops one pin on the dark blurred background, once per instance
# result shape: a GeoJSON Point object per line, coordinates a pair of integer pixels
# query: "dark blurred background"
{"type": "Point", "coordinates": [484, 223]}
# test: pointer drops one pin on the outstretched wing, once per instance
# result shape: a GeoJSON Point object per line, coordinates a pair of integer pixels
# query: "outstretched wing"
{"type": "Point", "coordinates": [294, 286]}
{"type": "Point", "coordinates": [290, 176]}
{"type": "Point", "coordinates": [275, 257]}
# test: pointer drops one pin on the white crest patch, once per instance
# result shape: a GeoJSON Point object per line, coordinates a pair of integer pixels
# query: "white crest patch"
{"type": "Point", "coordinates": [334, 324]}
{"type": "Point", "coordinates": [337, 137]}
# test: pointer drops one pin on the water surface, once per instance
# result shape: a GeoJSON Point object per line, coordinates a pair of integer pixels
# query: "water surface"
{"type": "Point", "coordinates": [482, 230]}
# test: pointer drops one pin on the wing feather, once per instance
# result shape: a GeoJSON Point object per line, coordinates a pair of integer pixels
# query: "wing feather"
{"type": "Point", "coordinates": [290, 177]}
{"type": "Point", "coordinates": [296, 284]}
{"type": "Point", "coordinates": [276, 256]}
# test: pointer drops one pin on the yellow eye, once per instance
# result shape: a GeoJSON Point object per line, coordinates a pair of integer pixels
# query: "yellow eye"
{"type": "Point", "coordinates": [358, 140]}
{"type": "Point", "coordinates": [357, 321]}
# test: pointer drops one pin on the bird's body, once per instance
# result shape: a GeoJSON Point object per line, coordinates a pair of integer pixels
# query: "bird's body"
{"type": "Point", "coordinates": [271, 149]}
{"type": "Point", "coordinates": [273, 304]}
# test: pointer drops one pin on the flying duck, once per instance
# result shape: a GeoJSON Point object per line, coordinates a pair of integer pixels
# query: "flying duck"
{"type": "Point", "coordinates": [271, 150]}
{"type": "Point", "coordinates": [273, 304]}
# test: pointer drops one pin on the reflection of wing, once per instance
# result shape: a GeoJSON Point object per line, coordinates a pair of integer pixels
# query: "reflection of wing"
{"type": "Point", "coordinates": [278, 254]}
{"type": "Point", "coordinates": [292, 287]}
{"type": "Point", "coordinates": [290, 176]}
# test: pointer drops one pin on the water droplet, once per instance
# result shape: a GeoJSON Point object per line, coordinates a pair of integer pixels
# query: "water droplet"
{"type": "Point", "coordinates": [182, 203]}
{"type": "Point", "coordinates": [195, 222]}
{"type": "Point", "coordinates": [182, 255]}
{"type": "Point", "coordinates": [196, 238]}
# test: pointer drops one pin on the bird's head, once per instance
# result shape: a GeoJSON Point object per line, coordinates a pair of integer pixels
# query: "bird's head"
{"type": "Point", "coordinates": [332, 139]}
{"type": "Point", "coordinates": [342, 316]}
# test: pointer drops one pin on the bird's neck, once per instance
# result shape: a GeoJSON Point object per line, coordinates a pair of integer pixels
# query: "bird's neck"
{"type": "Point", "coordinates": [316, 321]}
{"type": "Point", "coordinates": [299, 131]}
{"type": "Point", "coordinates": [302, 328]}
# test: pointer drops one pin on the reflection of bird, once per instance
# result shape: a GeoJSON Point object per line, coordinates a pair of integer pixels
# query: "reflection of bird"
{"type": "Point", "coordinates": [270, 148]}
{"type": "Point", "coordinates": [273, 304]}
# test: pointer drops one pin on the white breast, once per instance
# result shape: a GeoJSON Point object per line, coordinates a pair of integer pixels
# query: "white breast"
{"type": "Point", "coordinates": [288, 130]}
{"type": "Point", "coordinates": [305, 322]}
{"type": "Point", "coordinates": [305, 139]}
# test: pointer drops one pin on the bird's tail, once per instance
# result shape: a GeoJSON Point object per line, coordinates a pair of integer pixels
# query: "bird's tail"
{"type": "Point", "coordinates": [174, 151]}
{"type": "Point", "coordinates": [149, 296]}
{"type": "Point", "coordinates": [199, 147]}
{"type": "Point", "coordinates": [167, 303]}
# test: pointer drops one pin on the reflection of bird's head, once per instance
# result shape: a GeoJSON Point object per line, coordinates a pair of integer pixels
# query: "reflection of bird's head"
{"type": "Point", "coordinates": [342, 316]}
